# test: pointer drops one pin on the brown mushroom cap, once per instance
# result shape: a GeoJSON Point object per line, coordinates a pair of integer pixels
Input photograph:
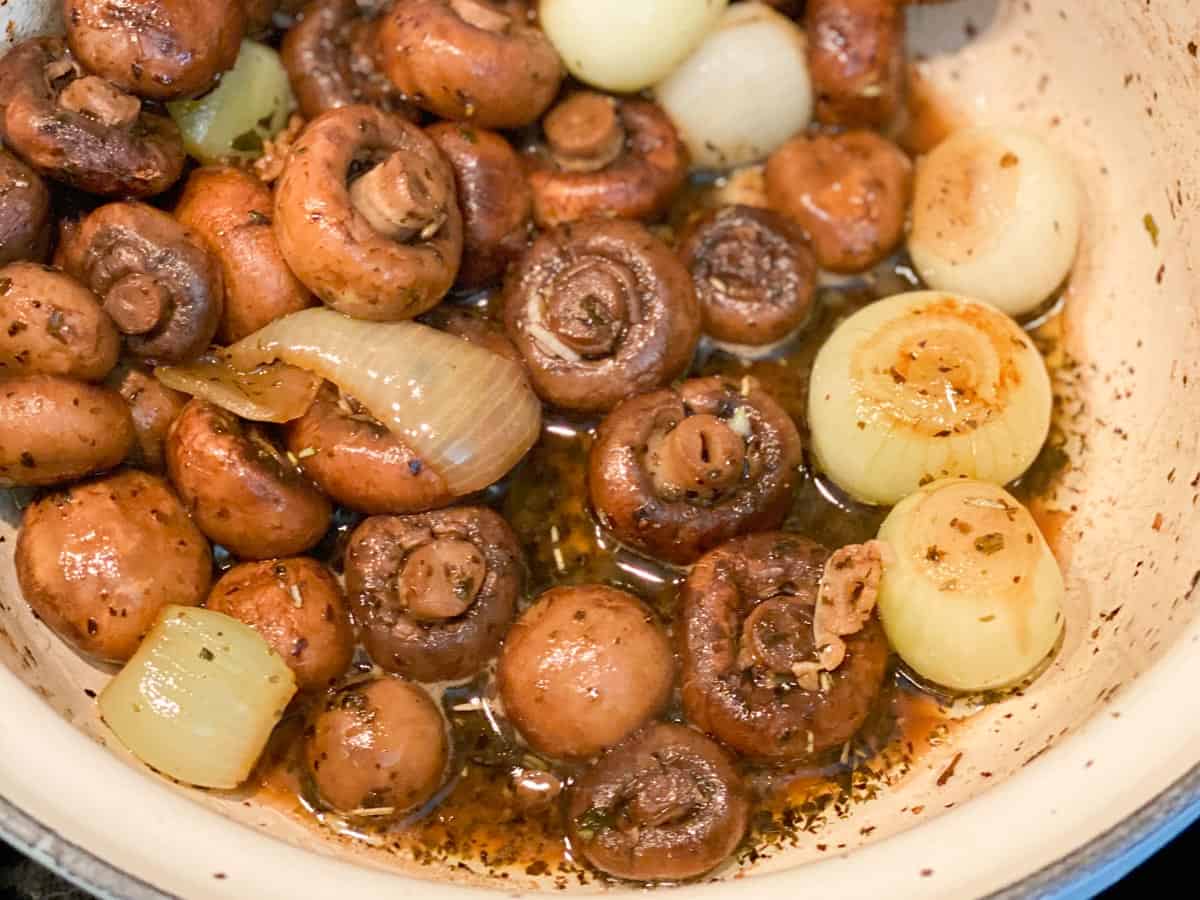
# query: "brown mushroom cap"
{"type": "Point", "coordinates": [77, 129]}
{"type": "Point", "coordinates": [473, 327]}
{"type": "Point", "coordinates": [378, 749]}
{"type": "Point", "coordinates": [434, 594]}
{"type": "Point", "coordinates": [679, 471]}
{"type": "Point", "coordinates": [297, 606]}
{"type": "Point", "coordinates": [258, 15]}
{"type": "Point", "coordinates": [154, 276]}
{"type": "Point", "coordinates": [154, 406]}
{"type": "Point", "coordinates": [24, 211]}
{"type": "Point", "coordinates": [98, 561]}
{"type": "Point", "coordinates": [360, 463]}
{"type": "Point", "coordinates": [605, 157]}
{"type": "Point", "coordinates": [856, 58]}
{"type": "Point", "coordinates": [52, 324]}
{"type": "Point", "coordinates": [55, 429]}
{"type": "Point", "coordinates": [159, 49]}
{"type": "Point", "coordinates": [758, 593]}
{"type": "Point", "coordinates": [494, 196]}
{"type": "Point", "coordinates": [849, 192]}
{"type": "Point", "coordinates": [241, 490]}
{"type": "Point", "coordinates": [582, 668]}
{"type": "Point", "coordinates": [384, 246]}
{"type": "Point", "coordinates": [232, 212]}
{"type": "Point", "coordinates": [601, 310]}
{"type": "Point", "coordinates": [665, 805]}
{"type": "Point", "coordinates": [470, 60]}
{"type": "Point", "coordinates": [753, 271]}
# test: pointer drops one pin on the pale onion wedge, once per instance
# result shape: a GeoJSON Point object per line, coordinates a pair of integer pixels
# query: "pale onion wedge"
{"type": "Point", "coordinates": [973, 598]}
{"type": "Point", "coordinates": [995, 216]}
{"type": "Point", "coordinates": [272, 393]}
{"type": "Point", "coordinates": [922, 386]}
{"type": "Point", "coordinates": [199, 698]}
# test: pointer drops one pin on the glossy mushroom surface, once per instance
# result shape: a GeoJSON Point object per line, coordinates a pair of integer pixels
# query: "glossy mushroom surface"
{"type": "Point", "coordinates": [366, 215]}
{"type": "Point", "coordinates": [24, 211]}
{"type": "Point", "coordinates": [676, 472]}
{"type": "Point", "coordinates": [604, 156]}
{"type": "Point", "coordinates": [153, 405]}
{"type": "Point", "coordinates": [856, 58]}
{"type": "Point", "coordinates": [665, 805]}
{"type": "Point", "coordinates": [434, 594]}
{"type": "Point", "coordinates": [745, 635]}
{"type": "Point", "coordinates": [753, 271]}
{"type": "Point", "coordinates": [601, 310]}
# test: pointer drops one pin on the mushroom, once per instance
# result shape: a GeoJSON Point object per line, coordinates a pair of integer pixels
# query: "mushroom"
{"type": "Point", "coordinates": [584, 667]}
{"type": "Point", "coordinates": [434, 594]}
{"type": "Point", "coordinates": [377, 749]}
{"type": "Point", "coordinates": [24, 210]}
{"type": "Point", "coordinates": [746, 639]}
{"type": "Point", "coordinates": [494, 196]}
{"type": "Point", "coordinates": [601, 310]}
{"type": "Point", "coordinates": [856, 60]}
{"type": "Point", "coordinates": [472, 60]}
{"type": "Point", "coordinates": [665, 805]}
{"type": "Point", "coordinates": [242, 491]}
{"type": "Point", "coordinates": [55, 429]}
{"type": "Point", "coordinates": [98, 562]}
{"type": "Point", "coordinates": [162, 49]}
{"type": "Point", "coordinates": [157, 282]}
{"type": "Point", "coordinates": [473, 327]}
{"type": "Point", "coordinates": [153, 405]}
{"type": "Point", "coordinates": [78, 129]}
{"type": "Point", "coordinates": [50, 323]}
{"type": "Point", "coordinates": [849, 192]}
{"type": "Point", "coordinates": [676, 472]}
{"type": "Point", "coordinates": [605, 157]}
{"type": "Point", "coordinates": [232, 211]}
{"type": "Point", "coordinates": [259, 15]}
{"type": "Point", "coordinates": [298, 608]}
{"type": "Point", "coordinates": [754, 274]}
{"type": "Point", "coordinates": [366, 216]}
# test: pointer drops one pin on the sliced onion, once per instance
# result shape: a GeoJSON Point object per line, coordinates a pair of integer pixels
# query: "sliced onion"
{"type": "Point", "coordinates": [271, 393]}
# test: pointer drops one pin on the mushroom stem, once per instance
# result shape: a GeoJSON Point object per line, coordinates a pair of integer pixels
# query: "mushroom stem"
{"type": "Point", "coordinates": [481, 15]}
{"type": "Point", "coordinates": [441, 579]}
{"type": "Point", "coordinates": [399, 200]}
{"type": "Point", "coordinates": [702, 456]}
{"type": "Point", "coordinates": [100, 100]}
{"type": "Point", "coordinates": [137, 303]}
{"type": "Point", "coordinates": [584, 132]}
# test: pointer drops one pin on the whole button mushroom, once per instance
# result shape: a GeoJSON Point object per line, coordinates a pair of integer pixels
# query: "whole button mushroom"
{"type": "Point", "coordinates": [154, 406]}
{"type": "Point", "coordinates": [856, 56]}
{"type": "Point", "coordinates": [366, 215]}
{"type": "Point", "coordinates": [747, 633]}
{"type": "Point", "coordinates": [470, 60]}
{"type": "Point", "coordinates": [665, 805]}
{"type": "Point", "coordinates": [50, 323]}
{"type": "Point", "coordinates": [232, 211]}
{"type": "Point", "coordinates": [754, 274]}
{"type": "Point", "coordinates": [601, 310]}
{"type": "Point", "coordinates": [676, 472]}
{"type": "Point", "coordinates": [298, 608]}
{"type": "Point", "coordinates": [98, 562]}
{"type": "Point", "coordinates": [377, 749]}
{"type": "Point", "coordinates": [55, 429]}
{"type": "Point", "coordinates": [79, 129]}
{"type": "Point", "coordinates": [850, 193]}
{"type": "Point", "coordinates": [156, 280]}
{"type": "Point", "coordinates": [496, 203]}
{"type": "Point", "coordinates": [162, 49]}
{"type": "Point", "coordinates": [584, 667]}
{"type": "Point", "coordinates": [474, 327]}
{"type": "Point", "coordinates": [434, 594]}
{"type": "Point", "coordinates": [604, 156]}
{"type": "Point", "coordinates": [24, 211]}
{"type": "Point", "coordinates": [242, 491]}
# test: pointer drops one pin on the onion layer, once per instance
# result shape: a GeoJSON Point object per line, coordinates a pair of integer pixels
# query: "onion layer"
{"type": "Point", "coordinates": [272, 393]}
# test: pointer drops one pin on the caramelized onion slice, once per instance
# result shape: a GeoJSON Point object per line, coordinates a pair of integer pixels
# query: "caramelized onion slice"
{"type": "Point", "coordinates": [272, 393]}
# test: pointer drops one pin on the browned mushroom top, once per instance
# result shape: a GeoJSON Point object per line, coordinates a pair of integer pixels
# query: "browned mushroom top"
{"type": "Point", "coordinates": [366, 215]}
{"type": "Point", "coordinates": [473, 60]}
{"type": "Point", "coordinates": [665, 805]}
{"type": "Point", "coordinates": [605, 157]}
{"type": "Point", "coordinates": [601, 310]}
{"type": "Point", "coordinates": [434, 594]}
{"type": "Point", "coordinates": [24, 211]}
{"type": "Point", "coordinates": [473, 327]}
{"type": "Point", "coordinates": [157, 281]}
{"type": "Point", "coordinates": [676, 472]}
{"type": "Point", "coordinates": [746, 640]}
{"type": "Point", "coordinates": [160, 49]}
{"type": "Point", "coordinates": [754, 274]}
{"type": "Point", "coordinates": [79, 129]}
{"type": "Point", "coordinates": [856, 59]}
{"type": "Point", "coordinates": [153, 405]}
